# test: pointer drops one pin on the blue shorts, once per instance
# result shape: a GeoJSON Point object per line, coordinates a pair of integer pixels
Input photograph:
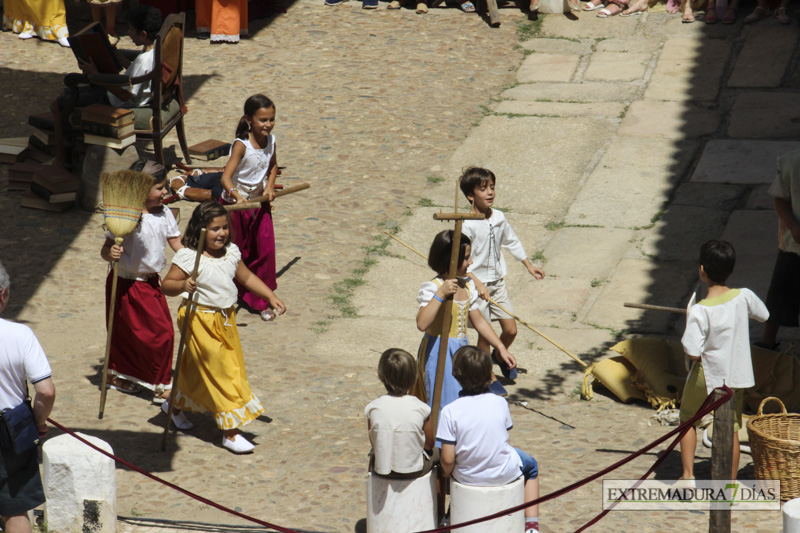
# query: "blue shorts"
{"type": "Point", "coordinates": [529, 468]}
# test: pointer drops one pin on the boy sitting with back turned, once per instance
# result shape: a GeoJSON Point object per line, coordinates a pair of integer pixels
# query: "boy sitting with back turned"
{"type": "Point", "coordinates": [488, 264]}
{"type": "Point", "coordinates": [473, 432]}
{"type": "Point", "coordinates": [717, 340]}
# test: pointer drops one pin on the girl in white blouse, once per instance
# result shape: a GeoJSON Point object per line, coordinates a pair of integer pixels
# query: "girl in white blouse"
{"type": "Point", "coordinates": [212, 375]}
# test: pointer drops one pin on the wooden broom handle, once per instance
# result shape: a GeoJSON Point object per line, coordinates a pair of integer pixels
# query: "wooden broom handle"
{"type": "Point", "coordinates": [111, 306]}
{"type": "Point", "coordinates": [255, 203]}
{"type": "Point", "coordinates": [186, 318]}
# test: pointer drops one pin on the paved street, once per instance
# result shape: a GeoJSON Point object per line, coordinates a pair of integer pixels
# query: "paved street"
{"type": "Point", "coordinates": [619, 145]}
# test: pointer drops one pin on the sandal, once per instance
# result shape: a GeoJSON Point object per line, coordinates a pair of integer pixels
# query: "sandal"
{"type": "Point", "coordinates": [589, 6]}
{"type": "Point", "coordinates": [467, 7]}
{"type": "Point", "coordinates": [687, 18]}
{"type": "Point", "coordinates": [123, 386]}
{"type": "Point", "coordinates": [730, 16]}
{"type": "Point", "coordinates": [395, 4]}
{"type": "Point", "coordinates": [634, 10]}
{"type": "Point", "coordinates": [781, 15]}
{"type": "Point", "coordinates": [422, 8]}
{"type": "Point", "coordinates": [606, 12]}
{"type": "Point", "coordinates": [711, 14]}
{"type": "Point", "coordinates": [757, 14]}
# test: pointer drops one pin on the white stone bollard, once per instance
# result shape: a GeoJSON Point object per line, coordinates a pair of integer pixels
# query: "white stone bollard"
{"type": "Point", "coordinates": [80, 485]}
{"type": "Point", "coordinates": [553, 6]}
{"type": "Point", "coordinates": [401, 505]}
{"type": "Point", "coordinates": [791, 516]}
{"type": "Point", "coordinates": [468, 502]}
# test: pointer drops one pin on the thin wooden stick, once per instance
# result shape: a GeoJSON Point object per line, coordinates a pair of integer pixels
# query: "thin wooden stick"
{"type": "Point", "coordinates": [515, 317]}
{"type": "Point", "coordinates": [655, 308]}
{"type": "Point", "coordinates": [111, 306]}
{"type": "Point", "coordinates": [444, 338]}
{"type": "Point", "coordinates": [255, 203]}
{"type": "Point", "coordinates": [187, 317]}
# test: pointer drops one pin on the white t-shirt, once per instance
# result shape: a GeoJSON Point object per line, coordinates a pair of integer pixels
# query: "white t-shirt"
{"type": "Point", "coordinates": [215, 287]}
{"type": "Point", "coordinates": [396, 433]}
{"type": "Point", "coordinates": [143, 250]}
{"type": "Point", "coordinates": [718, 331]}
{"type": "Point", "coordinates": [141, 92]}
{"type": "Point", "coordinates": [478, 427]}
{"type": "Point", "coordinates": [250, 175]}
{"type": "Point", "coordinates": [21, 359]}
{"type": "Point", "coordinates": [488, 236]}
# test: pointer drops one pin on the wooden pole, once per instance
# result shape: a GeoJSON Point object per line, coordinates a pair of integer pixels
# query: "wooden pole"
{"type": "Point", "coordinates": [255, 203]}
{"type": "Point", "coordinates": [719, 521]}
{"type": "Point", "coordinates": [655, 308]}
{"type": "Point", "coordinates": [187, 317]}
{"type": "Point", "coordinates": [515, 317]}
{"type": "Point", "coordinates": [111, 306]}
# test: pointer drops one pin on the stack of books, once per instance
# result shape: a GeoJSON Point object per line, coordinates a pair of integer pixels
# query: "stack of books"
{"type": "Point", "coordinates": [209, 150]}
{"type": "Point", "coordinates": [52, 189]}
{"type": "Point", "coordinates": [20, 176]}
{"type": "Point", "coordinates": [107, 126]}
{"type": "Point", "coordinates": [42, 144]}
{"type": "Point", "coordinates": [13, 150]}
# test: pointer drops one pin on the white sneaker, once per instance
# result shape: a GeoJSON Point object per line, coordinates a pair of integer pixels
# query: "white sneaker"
{"type": "Point", "coordinates": [239, 444]}
{"type": "Point", "coordinates": [180, 421]}
{"type": "Point", "coordinates": [64, 42]}
{"type": "Point", "coordinates": [27, 34]}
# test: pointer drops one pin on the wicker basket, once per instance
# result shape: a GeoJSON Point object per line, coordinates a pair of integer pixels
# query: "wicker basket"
{"type": "Point", "coordinates": [775, 445]}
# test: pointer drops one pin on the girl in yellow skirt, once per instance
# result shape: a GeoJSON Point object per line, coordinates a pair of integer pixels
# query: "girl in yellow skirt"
{"type": "Point", "coordinates": [46, 19]}
{"type": "Point", "coordinates": [212, 376]}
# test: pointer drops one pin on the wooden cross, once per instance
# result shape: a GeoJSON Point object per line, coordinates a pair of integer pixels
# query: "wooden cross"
{"type": "Point", "coordinates": [448, 308]}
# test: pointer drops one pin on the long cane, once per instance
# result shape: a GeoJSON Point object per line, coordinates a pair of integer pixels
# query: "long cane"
{"type": "Point", "coordinates": [187, 317]}
{"type": "Point", "coordinates": [111, 305]}
{"type": "Point", "coordinates": [515, 317]}
{"type": "Point", "coordinates": [255, 203]}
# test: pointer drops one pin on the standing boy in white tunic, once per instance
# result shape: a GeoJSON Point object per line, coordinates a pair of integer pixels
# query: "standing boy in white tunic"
{"type": "Point", "coordinates": [489, 268]}
{"type": "Point", "coordinates": [717, 340]}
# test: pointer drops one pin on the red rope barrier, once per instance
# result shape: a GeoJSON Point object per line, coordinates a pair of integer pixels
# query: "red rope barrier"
{"type": "Point", "coordinates": [172, 485]}
{"type": "Point", "coordinates": [683, 428]}
{"type": "Point", "coordinates": [706, 408]}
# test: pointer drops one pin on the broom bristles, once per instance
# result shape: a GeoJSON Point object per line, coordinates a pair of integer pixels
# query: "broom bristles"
{"type": "Point", "coordinates": [124, 195]}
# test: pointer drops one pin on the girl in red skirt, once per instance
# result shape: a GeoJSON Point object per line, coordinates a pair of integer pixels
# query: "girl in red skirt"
{"type": "Point", "coordinates": [142, 337]}
{"type": "Point", "coordinates": [250, 172]}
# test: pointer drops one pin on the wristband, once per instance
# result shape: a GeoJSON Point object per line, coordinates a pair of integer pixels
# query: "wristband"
{"type": "Point", "coordinates": [437, 297]}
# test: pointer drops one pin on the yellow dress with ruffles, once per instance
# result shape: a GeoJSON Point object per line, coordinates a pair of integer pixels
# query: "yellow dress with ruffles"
{"type": "Point", "coordinates": [212, 376]}
{"type": "Point", "coordinates": [46, 19]}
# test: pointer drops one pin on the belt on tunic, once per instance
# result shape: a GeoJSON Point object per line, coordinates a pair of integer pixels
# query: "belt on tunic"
{"type": "Point", "coordinates": [138, 277]}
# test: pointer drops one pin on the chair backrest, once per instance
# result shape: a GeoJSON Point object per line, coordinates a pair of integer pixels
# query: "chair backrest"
{"type": "Point", "coordinates": [168, 50]}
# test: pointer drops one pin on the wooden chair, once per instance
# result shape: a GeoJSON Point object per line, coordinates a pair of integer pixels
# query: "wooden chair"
{"type": "Point", "coordinates": [166, 108]}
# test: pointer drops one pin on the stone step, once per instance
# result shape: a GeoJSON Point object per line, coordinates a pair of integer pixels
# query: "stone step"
{"type": "Point", "coordinates": [689, 71]}
{"type": "Point", "coordinates": [767, 52]}
{"type": "Point", "coordinates": [758, 115]}
{"type": "Point", "coordinates": [573, 92]}
{"type": "Point", "coordinates": [562, 109]}
{"type": "Point", "coordinates": [745, 161]}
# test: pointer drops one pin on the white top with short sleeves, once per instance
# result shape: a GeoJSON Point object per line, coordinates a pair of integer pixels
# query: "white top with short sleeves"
{"type": "Point", "coordinates": [143, 250]}
{"type": "Point", "coordinates": [718, 331]}
{"type": "Point", "coordinates": [787, 186]}
{"type": "Point", "coordinates": [215, 287]}
{"type": "Point", "coordinates": [478, 427]}
{"type": "Point", "coordinates": [21, 359]}
{"type": "Point", "coordinates": [141, 92]}
{"type": "Point", "coordinates": [488, 236]}
{"type": "Point", "coordinates": [396, 433]}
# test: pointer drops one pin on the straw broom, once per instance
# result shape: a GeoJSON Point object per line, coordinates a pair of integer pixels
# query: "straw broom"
{"type": "Point", "coordinates": [124, 195]}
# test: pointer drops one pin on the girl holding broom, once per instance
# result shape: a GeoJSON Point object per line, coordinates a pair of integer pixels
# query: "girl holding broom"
{"type": "Point", "coordinates": [142, 337]}
{"type": "Point", "coordinates": [212, 375]}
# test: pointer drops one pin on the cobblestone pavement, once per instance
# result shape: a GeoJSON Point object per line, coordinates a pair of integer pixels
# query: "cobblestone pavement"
{"type": "Point", "coordinates": [619, 145]}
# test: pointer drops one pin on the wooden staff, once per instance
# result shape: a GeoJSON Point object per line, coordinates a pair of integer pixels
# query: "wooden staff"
{"type": "Point", "coordinates": [447, 314]}
{"type": "Point", "coordinates": [655, 308]}
{"type": "Point", "coordinates": [110, 326]}
{"type": "Point", "coordinates": [187, 317]}
{"type": "Point", "coordinates": [515, 317]}
{"type": "Point", "coordinates": [255, 203]}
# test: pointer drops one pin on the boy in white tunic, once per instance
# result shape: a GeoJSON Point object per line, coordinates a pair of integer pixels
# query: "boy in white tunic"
{"type": "Point", "coordinates": [717, 340]}
{"type": "Point", "coordinates": [489, 268]}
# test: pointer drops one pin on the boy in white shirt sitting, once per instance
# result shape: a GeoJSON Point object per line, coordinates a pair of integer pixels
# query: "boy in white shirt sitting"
{"type": "Point", "coordinates": [473, 432]}
{"type": "Point", "coordinates": [399, 424]}
{"type": "Point", "coordinates": [717, 340]}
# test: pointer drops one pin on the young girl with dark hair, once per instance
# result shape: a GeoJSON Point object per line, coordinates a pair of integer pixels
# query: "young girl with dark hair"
{"type": "Point", "coordinates": [142, 340]}
{"type": "Point", "coordinates": [212, 375]}
{"type": "Point", "coordinates": [433, 296]}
